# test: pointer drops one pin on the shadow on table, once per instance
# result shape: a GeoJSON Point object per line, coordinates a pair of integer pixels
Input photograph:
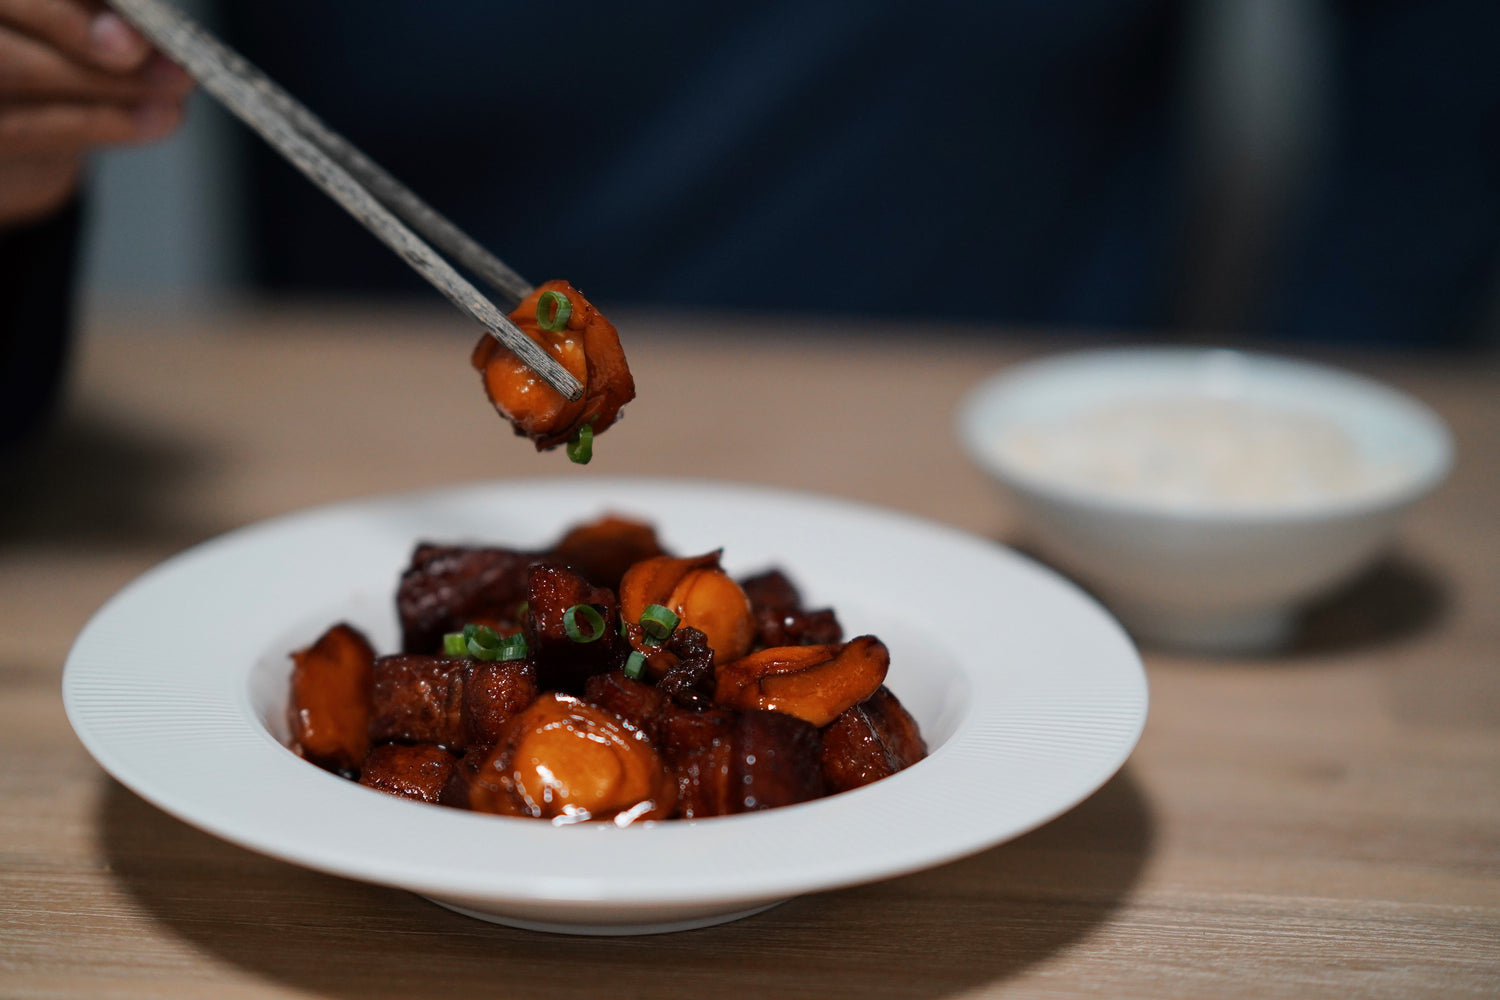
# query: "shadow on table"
{"type": "Point", "coordinates": [934, 934]}
{"type": "Point", "coordinates": [93, 484]}
{"type": "Point", "coordinates": [1395, 598]}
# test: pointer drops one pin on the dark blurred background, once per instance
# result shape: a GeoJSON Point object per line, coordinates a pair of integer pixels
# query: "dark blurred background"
{"type": "Point", "coordinates": [1312, 170]}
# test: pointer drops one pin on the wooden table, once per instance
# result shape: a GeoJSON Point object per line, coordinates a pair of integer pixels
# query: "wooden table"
{"type": "Point", "coordinates": [1324, 823]}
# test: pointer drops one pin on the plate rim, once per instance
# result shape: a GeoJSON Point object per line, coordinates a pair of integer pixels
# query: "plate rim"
{"type": "Point", "coordinates": [591, 892]}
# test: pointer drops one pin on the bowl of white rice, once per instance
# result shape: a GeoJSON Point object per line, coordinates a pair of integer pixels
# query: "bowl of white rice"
{"type": "Point", "coordinates": [1205, 495]}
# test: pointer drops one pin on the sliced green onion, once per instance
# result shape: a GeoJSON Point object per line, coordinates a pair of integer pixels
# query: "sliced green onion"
{"type": "Point", "coordinates": [521, 609]}
{"type": "Point", "coordinates": [552, 311]}
{"type": "Point", "coordinates": [480, 639]}
{"type": "Point", "coordinates": [658, 621]}
{"type": "Point", "coordinates": [635, 665]}
{"type": "Point", "coordinates": [484, 643]}
{"type": "Point", "coordinates": [512, 647]}
{"type": "Point", "coordinates": [454, 644]}
{"type": "Point", "coordinates": [482, 652]}
{"type": "Point", "coordinates": [581, 448]}
{"type": "Point", "coordinates": [590, 615]}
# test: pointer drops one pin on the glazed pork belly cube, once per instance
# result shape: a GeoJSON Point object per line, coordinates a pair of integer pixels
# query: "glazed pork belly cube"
{"type": "Point", "coordinates": [780, 618]}
{"type": "Point", "coordinates": [759, 760]}
{"type": "Point", "coordinates": [562, 662]}
{"type": "Point", "coordinates": [447, 587]}
{"type": "Point", "coordinates": [725, 761]}
{"type": "Point", "coordinates": [451, 702]}
{"type": "Point", "coordinates": [410, 772]}
{"type": "Point", "coordinates": [870, 741]}
{"type": "Point", "coordinates": [638, 704]}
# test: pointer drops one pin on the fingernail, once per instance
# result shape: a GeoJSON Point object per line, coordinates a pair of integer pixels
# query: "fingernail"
{"type": "Point", "coordinates": [154, 119]}
{"type": "Point", "coordinates": [116, 43]}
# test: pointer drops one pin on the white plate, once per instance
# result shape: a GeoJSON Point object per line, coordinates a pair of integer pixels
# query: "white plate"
{"type": "Point", "coordinates": [1029, 695]}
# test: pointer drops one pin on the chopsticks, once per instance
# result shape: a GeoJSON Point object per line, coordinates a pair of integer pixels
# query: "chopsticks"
{"type": "Point", "coordinates": [367, 192]}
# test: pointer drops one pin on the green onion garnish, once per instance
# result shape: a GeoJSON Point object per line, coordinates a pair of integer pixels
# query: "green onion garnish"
{"type": "Point", "coordinates": [635, 665]}
{"type": "Point", "coordinates": [481, 641]}
{"type": "Point", "coordinates": [512, 647]}
{"type": "Point", "coordinates": [581, 448]}
{"type": "Point", "coordinates": [484, 643]}
{"type": "Point", "coordinates": [590, 615]}
{"type": "Point", "coordinates": [552, 311]}
{"type": "Point", "coordinates": [521, 609]}
{"type": "Point", "coordinates": [658, 622]}
{"type": "Point", "coordinates": [454, 644]}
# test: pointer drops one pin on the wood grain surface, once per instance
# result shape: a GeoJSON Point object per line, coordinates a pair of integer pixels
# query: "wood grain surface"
{"type": "Point", "coordinates": [1321, 823]}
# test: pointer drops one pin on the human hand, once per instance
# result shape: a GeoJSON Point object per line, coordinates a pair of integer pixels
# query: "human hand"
{"type": "Point", "coordinates": [73, 77]}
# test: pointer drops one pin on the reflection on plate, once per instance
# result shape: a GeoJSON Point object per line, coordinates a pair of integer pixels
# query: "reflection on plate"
{"type": "Point", "coordinates": [1028, 694]}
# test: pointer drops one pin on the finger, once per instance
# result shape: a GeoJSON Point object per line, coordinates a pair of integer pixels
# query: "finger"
{"type": "Point", "coordinates": [82, 30]}
{"type": "Point", "coordinates": [113, 44]}
{"type": "Point", "coordinates": [50, 129]}
{"type": "Point", "coordinates": [166, 77]}
{"type": "Point", "coordinates": [36, 186]}
{"type": "Point", "coordinates": [32, 70]}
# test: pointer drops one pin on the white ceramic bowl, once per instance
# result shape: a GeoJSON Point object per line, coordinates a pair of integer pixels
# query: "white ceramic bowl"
{"type": "Point", "coordinates": [1030, 696]}
{"type": "Point", "coordinates": [1216, 574]}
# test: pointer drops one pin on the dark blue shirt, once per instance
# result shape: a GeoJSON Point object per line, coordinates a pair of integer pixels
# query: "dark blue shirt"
{"type": "Point", "coordinates": [1021, 162]}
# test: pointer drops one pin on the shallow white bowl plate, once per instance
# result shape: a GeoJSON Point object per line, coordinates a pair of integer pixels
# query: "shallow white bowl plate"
{"type": "Point", "coordinates": [1029, 695]}
{"type": "Point", "coordinates": [1211, 575]}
